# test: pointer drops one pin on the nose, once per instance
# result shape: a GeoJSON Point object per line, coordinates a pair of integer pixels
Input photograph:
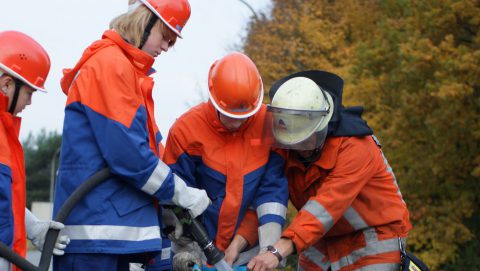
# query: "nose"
{"type": "Point", "coordinates": [164, 45]}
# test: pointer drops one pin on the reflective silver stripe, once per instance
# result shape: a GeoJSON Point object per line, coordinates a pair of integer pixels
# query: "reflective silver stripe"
{"type": "Point", "coordinates": [272, 208]}
{"type": "Point", "coordinates": [357, 222]}
{"type": "Point", "coordinates": [104, 232]}
{"type": "Point", "coordinates": [381, 267]}
{"type": "Point", "coordinates": [389, 168]}
{"type": "Point", "coordinates": [316, 257]}
{"type": "Point", "coordinates": [320, 213]}
{"type": "Point", "coordinates": [354, 218]}
{"type": "Point", "coordinates": [269, 234]}
{"type": "Point", "coordinates": [157, 178]}
{"type": "Point", "coordinates": [166, 252]}
{"type": "Point", "coordinates": [372, 248]}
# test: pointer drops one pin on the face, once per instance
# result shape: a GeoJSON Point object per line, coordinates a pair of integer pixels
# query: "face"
{"type": "Point", "coordinates": [156, 42]}
{"type": "Point", "coordinates": [7, 86]}
{"type": "Point", "coordinates": [231, 124]}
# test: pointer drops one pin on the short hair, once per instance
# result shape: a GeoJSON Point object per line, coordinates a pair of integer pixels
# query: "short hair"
{"type": "Point", "coordinates": [131, 25]}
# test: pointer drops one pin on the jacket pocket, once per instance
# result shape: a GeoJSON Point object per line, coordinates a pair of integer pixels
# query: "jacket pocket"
{"type": "Point", "coordinates": [128, 200]}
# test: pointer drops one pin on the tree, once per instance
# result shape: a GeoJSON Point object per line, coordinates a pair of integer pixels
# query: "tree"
{"type": "Point", "coordinates": [39, 150]}
{"type": "Point", "coordinates": [414, 65]}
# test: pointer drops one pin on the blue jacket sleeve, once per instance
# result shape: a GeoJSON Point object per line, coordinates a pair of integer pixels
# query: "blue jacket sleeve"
{"type": "Point", "coordinates": [6, 213]}
{"type": "Point", "coordinates": [271, 198]}
{"type": "Point", "coordinates": [118, 120]}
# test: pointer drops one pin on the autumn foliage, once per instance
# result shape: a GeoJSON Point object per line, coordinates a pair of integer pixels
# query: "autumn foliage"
{"type": "Point", "coordinates": [415, 67]}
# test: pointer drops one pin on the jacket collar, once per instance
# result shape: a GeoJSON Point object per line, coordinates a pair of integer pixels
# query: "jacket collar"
{"type": "Point", "coordinates": [139, 59]}
{"type": "Point", "coordinates": [3, 103]}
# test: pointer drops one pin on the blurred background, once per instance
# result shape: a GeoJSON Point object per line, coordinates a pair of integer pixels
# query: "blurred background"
{"type": "Point", "coordinates": [413, 64]}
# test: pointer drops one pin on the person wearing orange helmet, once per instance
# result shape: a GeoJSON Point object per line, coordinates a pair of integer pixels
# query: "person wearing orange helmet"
{"type": "Point", "coordinates": [109, 122]}
{"type": "Point", "coordinates": [351, 213]}
{"type": "Point", "coordinates": [24, 66]}
{"type": "Point", "coordinates": [217, 146]}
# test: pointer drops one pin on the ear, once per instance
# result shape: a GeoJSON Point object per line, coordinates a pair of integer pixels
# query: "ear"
{"type": "Point", "coordinates": [6, 83]}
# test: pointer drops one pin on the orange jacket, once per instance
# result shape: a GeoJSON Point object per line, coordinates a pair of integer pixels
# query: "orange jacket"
{"type": "Point", "coordinates": [12, 161]}
{"type": "Point", "coordinates": [351, 212]}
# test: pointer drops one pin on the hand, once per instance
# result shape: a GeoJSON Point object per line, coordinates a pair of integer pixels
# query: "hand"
{"type": "Point", "coordinates": [169, 219]}
{"type": "Point", "coordinates": [231, 255]}
{"type": "Point", "coordinates": [37, 231]}
{"type": "Point", "coordinates": [233, 250]}
{"type": "Point", "coordinates": [263, 262]}
{"type": "Point", "coordinates": [193, 199]}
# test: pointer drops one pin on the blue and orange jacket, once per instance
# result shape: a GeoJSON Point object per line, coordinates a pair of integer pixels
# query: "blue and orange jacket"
{"type": "Point", "coordinates": [109, 122]}
{"type": "Point", "coordinates": [12, 182]}
{"type": "Point", "coordinates": [236, 169]}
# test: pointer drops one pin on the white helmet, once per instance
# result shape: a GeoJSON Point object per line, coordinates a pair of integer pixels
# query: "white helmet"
{"type": "Point", "coordinates": [299, 109]}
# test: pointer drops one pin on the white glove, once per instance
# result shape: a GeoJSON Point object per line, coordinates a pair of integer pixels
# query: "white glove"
{"type": "Point", "coordinates": [5, 265]}
{"type": "Point", "coordinates": [169, 219]}
{"type": "Point", "coordinates": [37, 231]}
{"type": "Point", "coordinates": [193, 199]}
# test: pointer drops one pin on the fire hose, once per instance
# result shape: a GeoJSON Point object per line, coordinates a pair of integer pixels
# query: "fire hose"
{"type": "Point", "coordinates": [212, 253]}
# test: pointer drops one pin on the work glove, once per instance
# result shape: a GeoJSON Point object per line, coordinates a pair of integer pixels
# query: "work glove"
{"type": "Point", "coordinates": [4, 265]}
{"type": "Point", "coordinates": [193, 199]}
{"type": "Point", "coordinates": [174, 229]}
{"type": "Point", "coordinates": [37, 231]}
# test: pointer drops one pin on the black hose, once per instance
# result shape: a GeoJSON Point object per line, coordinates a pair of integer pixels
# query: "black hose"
{"type": "Point", "coordinates": [50, 239]}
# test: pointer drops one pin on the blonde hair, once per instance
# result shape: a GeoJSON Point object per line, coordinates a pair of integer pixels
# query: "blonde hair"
{"type": "Point", "coordinates": [131, 25]}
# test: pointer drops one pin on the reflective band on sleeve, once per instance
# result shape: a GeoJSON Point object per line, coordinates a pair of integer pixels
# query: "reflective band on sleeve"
{"type": "Point", "coordinates": [316, 257]}
{"type": "Point", "coordinates": [354, 218]}
{"type": "Point", "coordinates": [371, 249]}
{"type": "Point", "coordinates": [381, 267]}
{"type": "Point", "coordinates": [272, 208]}
{"type": "Point", "coordinates": [269, 234]}
{"type": "Point", "coordinates": [157, 178]}
{"type": "Point", "coordinates": [108, 232]}
{"type": "Point", "coordinates": [320, 213]}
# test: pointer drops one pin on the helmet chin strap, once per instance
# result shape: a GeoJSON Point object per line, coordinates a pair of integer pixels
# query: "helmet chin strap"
{"type": "Point", "coordinates": [151, 22]}
{"type": "Point", "coordinates": [18, 85]}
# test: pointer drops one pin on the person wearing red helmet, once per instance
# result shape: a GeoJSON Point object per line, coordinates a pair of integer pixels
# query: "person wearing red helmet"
{"type": "Point", "coordinates": [109, 122]}
{"type": "Point", "coordinates": [351, 213]}
{"type": "Point", "coordinates": [217, 146]}
{"type": "Point", "coordinates": [24, 66]}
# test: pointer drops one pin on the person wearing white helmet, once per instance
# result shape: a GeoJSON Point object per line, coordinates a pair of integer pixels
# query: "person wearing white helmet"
{"type": "Point", "coordinates": [109, 122]}
{"type": "Point", "coordinates": [351, 215]}
{"type": "Point", "coordinates": [24, 66]}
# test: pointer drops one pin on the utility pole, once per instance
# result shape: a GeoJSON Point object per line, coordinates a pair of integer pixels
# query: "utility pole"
{"type": "Point", "coordinates": [52, 174]}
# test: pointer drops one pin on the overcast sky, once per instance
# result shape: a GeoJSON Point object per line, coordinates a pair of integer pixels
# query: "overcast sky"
{"type": "Point", "coordinates": [66, 27]}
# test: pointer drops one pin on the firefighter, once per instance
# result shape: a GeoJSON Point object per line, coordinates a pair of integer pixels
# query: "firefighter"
{"type": "Point", "coordinates": [351, 215]}
{"type": "Point", "coordinates": [217, 146]}
{"type": "Point", "coordinates": [24, 66]}
{"type": "Point", "coordinates": [109, 122]}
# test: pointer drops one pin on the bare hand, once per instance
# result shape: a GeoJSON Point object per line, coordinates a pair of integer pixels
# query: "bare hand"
{"type": "Point", "coordinates": [231, 255]}
{"type": "Point", "coordinates": [263, 262]}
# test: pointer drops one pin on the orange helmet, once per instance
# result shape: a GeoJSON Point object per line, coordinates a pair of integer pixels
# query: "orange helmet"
{"type": "Point", "coordinates": [235, 85]}
{"type": "Point", "coordinates": [23, 58]}
{"type": "Point", "coordinates": [174, 13]}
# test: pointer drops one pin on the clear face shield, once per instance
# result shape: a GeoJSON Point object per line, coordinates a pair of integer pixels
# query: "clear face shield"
{"type": "Point", "coordinates": [296, 129]}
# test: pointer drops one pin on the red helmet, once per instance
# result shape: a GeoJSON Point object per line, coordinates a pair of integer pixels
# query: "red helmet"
{"type": "Point", "coordinates": [22, 57]}
{"type": "Point", "coordinates": [235, 85]}
{"type": "Point", "coordinates": [174, 13]}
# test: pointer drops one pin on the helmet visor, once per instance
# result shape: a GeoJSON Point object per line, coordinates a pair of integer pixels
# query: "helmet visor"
{"type": "Point", "coordinates": [296, 129]}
